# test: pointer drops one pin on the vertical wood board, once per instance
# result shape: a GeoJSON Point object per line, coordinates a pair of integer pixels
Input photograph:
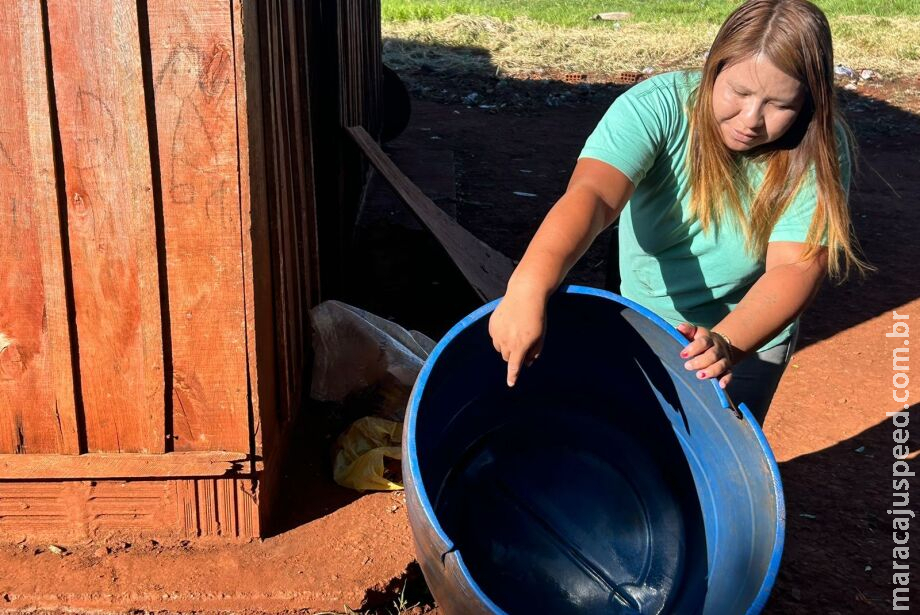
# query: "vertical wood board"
{"type": "Point", "coordinates": [37, 405]}
{"type": "Point", "coordinates": [254, 233]}
{"type": "Point", "coordinates": [195, 100]}
{"type": "Point", "coordinates": [111, 222]}
{"type": "Point", "coordinates": [279, 203]}
{"type": "Point", "coordinates": [299, 32]}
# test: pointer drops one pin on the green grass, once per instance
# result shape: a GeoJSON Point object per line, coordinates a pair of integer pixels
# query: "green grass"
{"type": "Point", "coordinates": [578, 12]}
{"type": "Point", "coordinates": [516, 37]}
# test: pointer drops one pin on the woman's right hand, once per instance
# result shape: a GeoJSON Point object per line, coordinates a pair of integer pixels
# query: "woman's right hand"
{"type": "Point", "coordinates": [517, 327]}
{"type": "Point", "coordinates": [595, 196]}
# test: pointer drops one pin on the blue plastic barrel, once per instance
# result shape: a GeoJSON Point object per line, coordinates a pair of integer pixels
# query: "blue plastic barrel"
{"type": "Point", "coordinates": [608, 480]}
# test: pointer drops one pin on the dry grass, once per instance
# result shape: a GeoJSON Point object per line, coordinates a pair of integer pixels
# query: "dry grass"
{"type": "Point", "coordinates": [523, 46]}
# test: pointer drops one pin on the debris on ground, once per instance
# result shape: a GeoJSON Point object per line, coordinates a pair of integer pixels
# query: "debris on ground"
{"type": "Point", "coordinates": [368, 455]}
{"type": "Point", "coordinates": [372, 364]}
{"type": "Point", "coordinates": [842, 70]}
{"type": "Point", "coordinates": [613, 16]}
{"type": "Point", "coordinates": [575, 77]}
{"type": "Point", "coordinates": [629, 77]}
{"type": "Point", "coordinates": [471, 99]}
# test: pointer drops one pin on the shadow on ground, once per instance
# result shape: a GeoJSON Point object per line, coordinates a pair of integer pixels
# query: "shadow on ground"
{"type": "Point", "coordinates": [823, 572]}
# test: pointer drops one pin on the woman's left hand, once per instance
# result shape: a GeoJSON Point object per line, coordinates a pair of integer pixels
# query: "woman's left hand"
{"type": "Point", "coordinates": [707, 352]}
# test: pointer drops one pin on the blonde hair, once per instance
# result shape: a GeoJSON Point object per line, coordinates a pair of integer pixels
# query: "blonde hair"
{"type": "Point", "coordinates": [795, 36]}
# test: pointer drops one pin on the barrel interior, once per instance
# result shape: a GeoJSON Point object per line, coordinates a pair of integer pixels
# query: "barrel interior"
{"type": "Point", "coordinates": [570, 492]}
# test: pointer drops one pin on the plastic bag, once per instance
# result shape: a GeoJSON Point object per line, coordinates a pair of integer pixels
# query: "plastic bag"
{"type": "Point", "coordinates": [368, 455]}
{"type": "Point", "coordinates": [360, 355]}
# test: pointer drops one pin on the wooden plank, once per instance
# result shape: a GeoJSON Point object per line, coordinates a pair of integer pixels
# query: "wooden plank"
{"type": "Point", "coordinates": [281, 203]}
{"type": "Point", "coordinates": [126, 465]}
{"type": "Point", "coordinates": [104, 139]}
{"type": "Point", "coordinates": [187, 508]}
{"type": "Point", "coordinates": [192, 61]}
{"type": "Point", "coordinates": [325, 98]}
{"type": "Point", "coordinates": [248, 500]}
{"type": "Point", "coordinates": [227, 523]}
{"type": "Point", "coordinates": [35, 508]}
{"type": "Point", "coordinates": [300, 205]}
{"type": "Point", "coordinates": [486, 269]}
{"type": "Point", "coordinates": [208, 522]}
{"type": "Point", "coordinates": [212, 508]}
{"type": "Point", "coordinates": [73, 511]}
{"type": "Point", "coordinates": [290, 221]}
{"type": "Point", "coordinates": [37, 406]}
{"type": "Point", "coordinates": [303, 129]}
{"type": "Point", "coordinates": [135, 507]}
{"type": "Point", "coordinates": [254, 234]}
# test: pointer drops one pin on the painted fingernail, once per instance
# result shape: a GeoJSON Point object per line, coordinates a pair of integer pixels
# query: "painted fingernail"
{"type": "Point", "coordinates": [683, 354]}
{"type": "Point", "coordinates": [702, 374]}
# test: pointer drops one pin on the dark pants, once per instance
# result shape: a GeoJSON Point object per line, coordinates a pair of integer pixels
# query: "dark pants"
{"type": "Point", "coordinates": [754, 380]}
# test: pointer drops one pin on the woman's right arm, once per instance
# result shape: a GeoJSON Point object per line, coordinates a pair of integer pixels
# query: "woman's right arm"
{"type": "Point", "coordinates": [596, 194]}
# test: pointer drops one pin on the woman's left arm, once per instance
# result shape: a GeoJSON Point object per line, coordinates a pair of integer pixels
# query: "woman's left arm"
{"type": "Point", "coordinates": [782, 293]}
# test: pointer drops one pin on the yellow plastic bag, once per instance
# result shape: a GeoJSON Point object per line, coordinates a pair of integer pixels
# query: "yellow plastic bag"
{"type": "Point", "coordinates": [365, 455]}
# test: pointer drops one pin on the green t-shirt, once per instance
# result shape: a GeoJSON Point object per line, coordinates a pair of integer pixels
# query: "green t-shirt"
{"type": "Point", "coordinates": [667, 263]}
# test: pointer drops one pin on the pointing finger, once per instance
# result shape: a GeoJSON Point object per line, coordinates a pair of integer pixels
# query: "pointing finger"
{"type": "Point", "coordinates": [514, 368]}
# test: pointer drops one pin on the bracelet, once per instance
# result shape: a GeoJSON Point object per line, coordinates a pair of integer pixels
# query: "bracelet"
{"type": "Point", "coordinates": [728, 342]}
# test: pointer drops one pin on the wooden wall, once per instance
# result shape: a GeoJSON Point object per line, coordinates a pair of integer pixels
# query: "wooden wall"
{"type": "Point", "coordinates": [165, 171]}
{"type": "Point", "coordinates": [122, 310]}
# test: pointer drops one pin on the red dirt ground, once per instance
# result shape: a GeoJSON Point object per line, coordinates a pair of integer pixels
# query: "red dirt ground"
{"type": "Point", "coordinates": [827, 424]}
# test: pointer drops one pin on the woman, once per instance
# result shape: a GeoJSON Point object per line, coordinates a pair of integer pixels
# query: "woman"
{"type": "Point", "coordinates": [731, 188]}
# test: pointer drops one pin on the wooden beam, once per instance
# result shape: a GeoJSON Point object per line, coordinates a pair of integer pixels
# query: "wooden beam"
{"type": "Point", "coordinates": [191, 50]}
{"type": "Point", "coordinates": [111, 222]}
{"type": "Point", "coordinates": [127, 465]}
{"type": "Point", "coordinates": [486, 269]}
{"type": "Point", "coordinates": [75, 511]}
{"type": "Point", "coordinates": [258, 295]}
{"type": "Point", "coordinates": [37, 404]}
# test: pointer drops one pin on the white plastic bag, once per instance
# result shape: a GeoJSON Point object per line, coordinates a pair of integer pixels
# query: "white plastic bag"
{"type": "Point", "coordinates": [359, 354]}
